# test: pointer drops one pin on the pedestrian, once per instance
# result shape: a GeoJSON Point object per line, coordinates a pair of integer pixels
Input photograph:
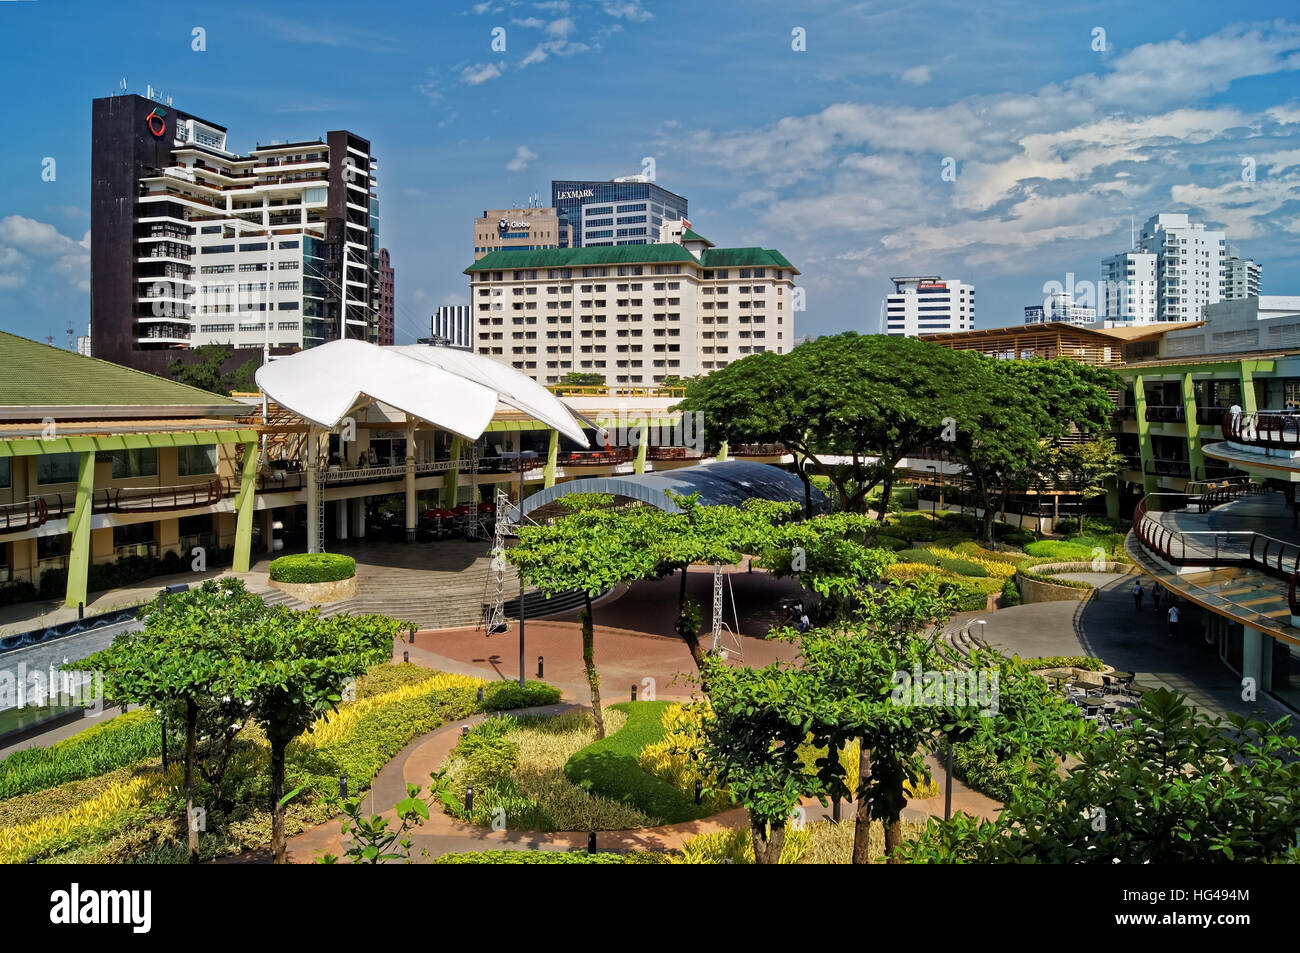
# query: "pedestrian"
{"type": "Point", "coordinates": [804, 623]}
{"type": "Point", "coordinates": [1173, 621]}
{"type": "Point", "coordinates": [1156, 595]}
{"type": "Point", "coordinates": [1137, 595]}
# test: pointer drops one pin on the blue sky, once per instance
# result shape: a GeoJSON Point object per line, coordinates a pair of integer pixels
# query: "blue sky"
{"type": "Point", "coordinates": [833, 154]}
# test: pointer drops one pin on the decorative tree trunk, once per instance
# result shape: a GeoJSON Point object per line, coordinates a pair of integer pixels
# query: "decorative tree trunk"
{"type": "Point", "coordinates": [862, 817]}
{"type": "Point", "coordinates": [589, 660]}
{"type": "Point", "coordinates": [191, 731]}
{"type": "Point", "coordinates": [893, 839]}
{"type": "Point", "coordinates": [681, 593]}
{"type": "Point", "coordinates": [278, 853]}
{"type": "Point", "coordinates": [767, 844]}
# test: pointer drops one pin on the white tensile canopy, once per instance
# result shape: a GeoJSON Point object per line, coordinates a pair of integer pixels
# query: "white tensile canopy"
{"type": "Point", "coordinates": [455, 390]}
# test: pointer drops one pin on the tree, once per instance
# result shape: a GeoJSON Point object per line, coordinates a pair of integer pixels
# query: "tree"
{"type": "Point", "coordinates": [1019, 410]}
{"type": "Point", "coordinates": [206, 373]}
{"type": "Point", "coordinates": [1086, 466]}
{"type": "Point", "coordinates": [591, 549]}
{"type": "Point", "coordinates": [1173, 786]}
{"type": "Point", "coordinates": [751, 743]}
{"type": "Point", "coordinates": [576, 379]}
{"type": "Point", "coordinates": [830, 556]}
{"type": "Point", "coordinates": [292, 667]}
{"type": "Point", "coordinates": [180, 663]}
{"type": "Point", "coordinates": [872, 399]}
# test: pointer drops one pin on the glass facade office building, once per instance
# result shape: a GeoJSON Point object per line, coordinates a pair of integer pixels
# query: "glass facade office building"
{"type": "Point", "coordinates": [614, 213]}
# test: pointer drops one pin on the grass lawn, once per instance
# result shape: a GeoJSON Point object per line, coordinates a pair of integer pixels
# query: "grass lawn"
{"type": "Point", "coordinates": [610, 767]}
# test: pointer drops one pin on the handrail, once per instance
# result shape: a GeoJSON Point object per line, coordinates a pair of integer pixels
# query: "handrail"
{"type": "Point", "coordinates": [1267, 428]}
{"type": "Point", "coordinates": [32, 510]}
{"type": "Point", "coordinates": [1234, 547]}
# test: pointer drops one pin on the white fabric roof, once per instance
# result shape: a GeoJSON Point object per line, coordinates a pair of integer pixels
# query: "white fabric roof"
{"type": "Point", "coordinates": [455, 390]}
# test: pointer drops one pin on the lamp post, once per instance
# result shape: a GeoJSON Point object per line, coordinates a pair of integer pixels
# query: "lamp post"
{"type": "Point", "coordinates": [522, 611]}
{"type": "Point", "coordinates": [934, 504]}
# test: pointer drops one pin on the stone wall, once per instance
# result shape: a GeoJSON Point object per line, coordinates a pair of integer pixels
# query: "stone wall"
{"type": "Point", "coordinates": [318, 593]}
{"type": "Point", "coordinates": [1036, 590]}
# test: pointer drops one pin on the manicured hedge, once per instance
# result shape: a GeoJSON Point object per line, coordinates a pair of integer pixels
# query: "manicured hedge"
{"type": "Point", "coordinates": [1011, 593]}
{"type": "Point", "coordinates": [1060, 550]}
{"type": "Point", "coordinates": [1088, 662]}
{"type": "Point", "coordinates": [505, 696]}
{"type": "Point", "coordinates": [116, 743]}
{"type": "Point", "coordinates": [611, 767]}
{"type": "Point", "coordinates": [313, 567]}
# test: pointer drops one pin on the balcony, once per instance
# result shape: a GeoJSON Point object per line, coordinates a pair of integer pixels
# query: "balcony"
{"type": "Point", "coordinates": [1267, 428]}
{"type": "Point", "coordinates": [672, 453]}
{"type": "Point", "coordinates": [1166, 413]}
{"type": "Point", "coordinates": [1167, 467]}
{"type": "Point", "coordinates": [596, 458]}
{"type": "Point", "coordinates": [1210, 415]}
{"type": "Point", "coordinates": [1127, 412]}
{"type": "Point", "coordinates": [759, 450]}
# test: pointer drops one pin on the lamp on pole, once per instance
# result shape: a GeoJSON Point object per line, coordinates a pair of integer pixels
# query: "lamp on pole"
{"type": "Point", "coordinates": [519, 524]}
{"type": "Point", "coordinates": [934, 504]}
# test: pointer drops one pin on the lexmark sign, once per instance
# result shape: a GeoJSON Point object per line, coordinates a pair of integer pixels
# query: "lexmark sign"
{"type": "Point", "coordinates": [577, 194]}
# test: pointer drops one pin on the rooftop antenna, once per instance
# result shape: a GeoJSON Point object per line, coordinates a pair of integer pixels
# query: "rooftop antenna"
{"type": "Point", "coordinates": [123, 84]}
{"type": "Point", "coordinates": [72, 338]}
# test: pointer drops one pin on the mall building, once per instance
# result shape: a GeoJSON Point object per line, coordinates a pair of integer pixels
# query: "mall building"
{"type": "Point", "coordinates": [633, 313]}
{"type": "Point", "coordinates": [194, 243]}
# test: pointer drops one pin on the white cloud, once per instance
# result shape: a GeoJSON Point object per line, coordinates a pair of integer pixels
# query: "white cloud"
{"type": "Point", "coordinates": [14, 267]}
{"type": "Point", "coordinates": [531, 23]}
{"type": "Point", "coordinates": [627, 10]}
{"type": "Point", "coordinates": [523, 156]}
{"type": "Point", "coordinates": [22, 239]}
{"type": "Point", "coordinates": [916, 75]}
{"type": "Point", "coordinates": [480, 73]}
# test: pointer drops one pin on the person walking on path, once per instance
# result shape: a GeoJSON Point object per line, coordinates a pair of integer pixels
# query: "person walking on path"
{"type": "Point", "coordinates": [1156, 594]}
{"type": "Point", "coordinates": [1137, 595]}
{"type": "Point", "coordinates": [1173, 621]}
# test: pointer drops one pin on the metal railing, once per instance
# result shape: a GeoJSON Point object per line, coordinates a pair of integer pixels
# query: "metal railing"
{"type": "Point", "coordinates": [759, 450]}
{"type": "Point", "coordinates": [1230, 548]}
{"type": "Point", "coordinates": [672, 453]}
{"type": "Point", "coordinates": [28, 514]}
{"type": "Point", "coordinates": [1165, 467]}
{"type": "Point", "coordinates": [1267, 428]}
{"type": "Point", "coordinates": [1165, 413]}
{"type": "Point", "coordinates": [160, 498]}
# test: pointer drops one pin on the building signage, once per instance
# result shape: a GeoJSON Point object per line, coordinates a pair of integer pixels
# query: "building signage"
{"type": "Point", "coordinates": [578, 194]}
{"type": "Point", "coordinates": [931, 287]}
{"type": "Point", "coordinates": [156, 121]}
{"type": "Point", "coordinates": [505, 225]}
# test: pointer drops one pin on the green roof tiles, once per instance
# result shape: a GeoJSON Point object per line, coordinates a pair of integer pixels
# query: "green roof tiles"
{"type": "Point", "coordinates": [33, 374]}
{"type": "Point", "coordinates": [691, 235]}
{"type": "Point", "coordinates": [660, 253]}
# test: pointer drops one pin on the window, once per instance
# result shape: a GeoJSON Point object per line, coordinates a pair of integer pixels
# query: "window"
{"type": "Point", "coordinates": [57, 468]}
{"type": "Point", "coordinates": [6, 474]}
{"type": "Point", "coordinates": [134, 463]}
{"type": "Point", "coordinates": [196, 460]}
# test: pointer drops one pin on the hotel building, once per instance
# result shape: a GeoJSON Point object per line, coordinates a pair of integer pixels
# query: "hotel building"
{"type": "Point", "coordinates": [193, 243]}
{"type": "Point", "coordinates": [1128, 288]}
{"type": "Point", "coordinates": [929, 305]}
{"type": "Point", "coordinates": [634, 313]}
{"type": "Point", "coordinates": [625, 211]}
{"type": "Point", "coordinates": [1241, 276]}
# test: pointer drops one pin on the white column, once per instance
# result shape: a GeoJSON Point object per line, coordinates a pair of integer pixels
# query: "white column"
{"type": "Point", "coordinates": [341, 518]}
{"type": "Point", "coordinates": [314, 502]}
{"type": "Point", "coordinates": [410, 480]}
{"type": "Point", "coordinates": [1254, 646]}
{"type": "Point", "coordinates": [359, 517]}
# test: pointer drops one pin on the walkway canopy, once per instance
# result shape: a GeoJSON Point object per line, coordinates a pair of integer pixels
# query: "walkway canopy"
{"type": "Point", "coordinates": [454, 390]}
{"type": "Point", "coordinates": [730, 483]}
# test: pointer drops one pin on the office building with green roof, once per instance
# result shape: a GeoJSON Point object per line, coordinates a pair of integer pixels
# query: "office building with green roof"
{"type": "Point", "coordinates": [633, 313]}
{"type": "Point", "coordinates": [99, 462]}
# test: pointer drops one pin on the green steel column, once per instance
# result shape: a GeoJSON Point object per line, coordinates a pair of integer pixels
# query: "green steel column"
{"type": "Point", "coordinates": [1112, 498]}
{"type": "Point", "coordinates": [641, 445]}
{"type": "Point", "coordinates": [552, 458]}
{"type": "Point", "coordinates": [451, 482]}
{"type": "Point", "coordinates": [1149, 482]}
{"type": "Point", "coordinates": [1247, 373]}
{"type": "Point", "coordinates": [722, 452]}
{"type": "Point", "coordinates": [245, 501]}
{"type": "Point", "coordinates": [1195, 459]}
{"type": "Point", "coordinates": [79, 530]}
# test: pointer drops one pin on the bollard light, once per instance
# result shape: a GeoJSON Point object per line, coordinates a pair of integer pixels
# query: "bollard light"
{"type": "Point", "coordinates": [464, 730]}
{"type": "Point", "coordinates": [699, 790]}
{"type": "Point", "coordinates": [343, 785]}
{"type": "Point", "coordinates": [31, 860]}
{"type": "Point", "coordinates": [539, 666]}
{"type": "Point", "coordinates": [480, 694]}
{"type": "Point", "coordinates": [469, 799]}
{"type": "Point", "coordinates": [591, 842]}
{"type": "Point", "coordinates": [633, 693]}
{"type": "Point", "coordinates": [406, 656]}
{"type": "Point", "coordinates": [412, 640]}
{"type": "Point", "coordinates": [81, 611]}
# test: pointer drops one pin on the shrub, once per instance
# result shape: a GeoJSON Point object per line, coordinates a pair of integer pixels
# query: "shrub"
{"type": "Point", "coordinates": [1059, 550]}
{"type": "Point", "coordinates": [969, 598]}
{"type": "Point", "coordinates": [1012, 536]}
{"type": "Point", "coordinates": [610, 767]}
{"type": "Point", "coordinates": [885, 541]}
{"type": "Point", "coordinates": [1087, 662]}
{"type": "Point", "coordinates": [313, 567]}
{"type": "Point", "coordinates": [962, 567]}
{"type": "Point", "coordinates": [503, 696]}
{"type": "Point", "coordinates": [21, 591]}
{"type": "Point", "coordinates": [551, 857]}
{"type": "Point", "coordinates": [1010, 593]}
{"type": "Point", "coordinates": [922, 556]}
{"type": "Point", "coordinates": [125, 740]}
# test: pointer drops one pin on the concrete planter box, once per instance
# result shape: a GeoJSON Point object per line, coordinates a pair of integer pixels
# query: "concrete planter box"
{"type": "Point", "coordinates": [1036, 590]}
{"type": "Point", "coordinates": [318, 593]}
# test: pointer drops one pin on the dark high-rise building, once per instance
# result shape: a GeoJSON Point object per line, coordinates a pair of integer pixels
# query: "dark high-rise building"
{"type": "Point", "coordinates": [387, 333]}
{"type": "Point", "coordinates": [624, 211]}
{"type": "Point", "coordinates": [193, 243]}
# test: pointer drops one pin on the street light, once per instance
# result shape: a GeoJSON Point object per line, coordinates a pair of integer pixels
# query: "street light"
{"type": "Point", "coordinates": [934, 504]}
